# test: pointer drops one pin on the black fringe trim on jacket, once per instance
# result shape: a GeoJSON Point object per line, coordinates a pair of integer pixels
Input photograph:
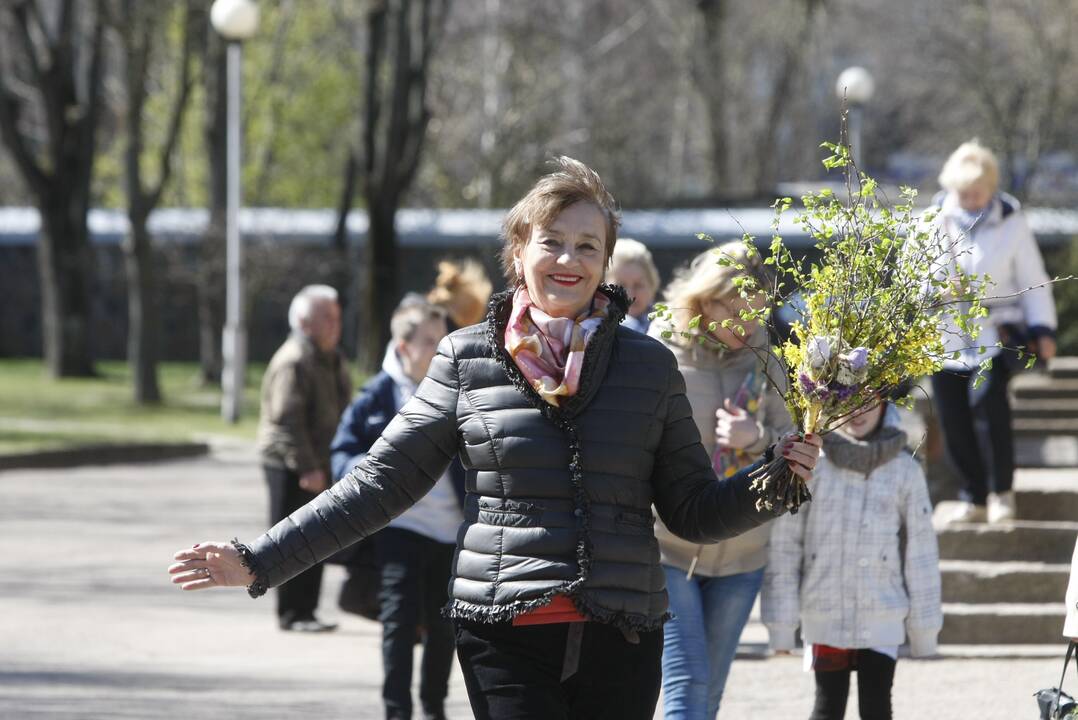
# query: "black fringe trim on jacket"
{"type": "Point", "coordinates": [260, 586]}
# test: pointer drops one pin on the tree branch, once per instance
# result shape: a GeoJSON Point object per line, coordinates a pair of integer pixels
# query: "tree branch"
{"type": "Point", "coordinates": [376, 41]}
{"type": "Point", "coordinates": [10, 109]}
{"type": "Point", "coordinates": [21, 12]}
{"type": "Point", "coordinates": [398, 127]}
{"type": "Point", "coordinates": [186, 80]}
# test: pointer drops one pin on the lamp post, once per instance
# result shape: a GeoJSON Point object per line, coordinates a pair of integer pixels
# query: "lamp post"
{"type": "Point", "coordinates": [856, 86]}
{"type": "Point", "coordinates": [236, 21]}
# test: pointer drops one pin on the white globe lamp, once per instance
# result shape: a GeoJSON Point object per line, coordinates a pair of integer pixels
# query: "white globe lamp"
{"type": "Point", "coordinates": [236, 20]}
{"type": "Point", "coordinates": [855, 85]}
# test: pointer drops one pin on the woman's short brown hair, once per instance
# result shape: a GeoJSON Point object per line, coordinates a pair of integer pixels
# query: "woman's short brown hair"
{"type": "Point", "coordinates": [571, 183]}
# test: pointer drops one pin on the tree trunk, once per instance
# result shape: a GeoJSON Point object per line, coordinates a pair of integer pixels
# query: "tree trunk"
{"type": "Point", "coordinates": [379, 291]}
{"type": "Point", "coordinates": [210, 289]}
{"type": "Point", "coordinates": [64, 261]}
{"type": "Point", "coordinates": [342, 274]}
{"type": "Point", "coordinates": [791, 68]}
{"type": "Point", "coordinates": [707, 65]}
{"type": "Point", "coordinates": [142, 312]}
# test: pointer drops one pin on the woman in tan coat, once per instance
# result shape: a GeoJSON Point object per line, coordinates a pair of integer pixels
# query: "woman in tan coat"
{"type": "Point", "coordinates": [739, 414]}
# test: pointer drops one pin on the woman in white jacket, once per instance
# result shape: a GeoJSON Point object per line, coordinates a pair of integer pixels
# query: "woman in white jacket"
{"type": "Point", "coordinates": [857, 568]}
{"type": "Point", "coordinates": [987, 233]}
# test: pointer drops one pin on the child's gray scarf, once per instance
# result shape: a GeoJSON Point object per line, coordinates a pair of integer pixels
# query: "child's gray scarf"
{"type": "Point", "coordinates": [866, 455]}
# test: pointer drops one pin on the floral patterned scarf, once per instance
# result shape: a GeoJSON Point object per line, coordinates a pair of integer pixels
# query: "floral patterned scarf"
{"type": "Point", "coordinates": [550, 350]}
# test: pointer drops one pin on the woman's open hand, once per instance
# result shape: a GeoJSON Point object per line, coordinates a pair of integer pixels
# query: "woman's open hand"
{"type": "Point", "coordinates": [801, 454]}
{"type": "Point", "coordinates": [734, 427]}
{"type": "Point", "coordinates": [209, 564]}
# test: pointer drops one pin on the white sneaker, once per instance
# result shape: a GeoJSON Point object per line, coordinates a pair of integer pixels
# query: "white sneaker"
{"type": "Point", "coordinates": [964, 512]}
{"type": "Point", "coordinates": [1001, 507]}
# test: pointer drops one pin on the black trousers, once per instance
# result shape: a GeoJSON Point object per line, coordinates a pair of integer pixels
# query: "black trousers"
{"type": "Point", "coordinates": [415, 588]}
{"type": "Point", "coordinates": [875, 676]}
{"type": "Point", "coordinates": [514, 673]}
{"type": "Point", "coordinates": [297, 599]}
{"type": "Point", "coordinates": [977, 431]}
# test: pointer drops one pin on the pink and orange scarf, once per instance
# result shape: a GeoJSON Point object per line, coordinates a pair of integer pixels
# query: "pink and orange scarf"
{"type": "Point", "coordinates": [550, 350]}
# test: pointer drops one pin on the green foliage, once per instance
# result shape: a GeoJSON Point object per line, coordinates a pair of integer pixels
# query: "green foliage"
{"type": "Point", "coordinates": [303, 82]}
{"type": "Point", "coordinates": [302, 85]}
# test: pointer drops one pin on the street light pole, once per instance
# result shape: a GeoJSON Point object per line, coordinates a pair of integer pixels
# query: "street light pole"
{"type": "Point", "coordinates": [855, 87]}
{"type": "Point", "coordinates": [236, 21]}
{"type": "Point", "coordinates": [234, 345]}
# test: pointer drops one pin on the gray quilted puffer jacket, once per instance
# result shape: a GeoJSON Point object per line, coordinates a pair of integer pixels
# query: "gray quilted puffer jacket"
{"type": "Point", "coordinates": [559, 499]}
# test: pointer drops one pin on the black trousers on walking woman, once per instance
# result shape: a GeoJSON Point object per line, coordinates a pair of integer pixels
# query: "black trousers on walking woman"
{"type": "Point", "coordinates": [976, 428]}
{"type": "Point", "coordinates": [515, 673]}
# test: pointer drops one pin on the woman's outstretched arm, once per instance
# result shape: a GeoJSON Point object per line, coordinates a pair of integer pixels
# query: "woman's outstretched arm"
{"type": "Point", "coordinates": [400, 468]}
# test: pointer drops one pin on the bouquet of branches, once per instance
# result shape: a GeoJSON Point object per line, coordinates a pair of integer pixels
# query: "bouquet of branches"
{"type": "Point", "coordinates": [869, 313]}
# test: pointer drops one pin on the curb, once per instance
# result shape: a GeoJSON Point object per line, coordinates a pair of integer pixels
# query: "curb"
{"type": "Point", "coordinates": [103, 454]}
{"type": "Point", "coordinates": [758, 651]}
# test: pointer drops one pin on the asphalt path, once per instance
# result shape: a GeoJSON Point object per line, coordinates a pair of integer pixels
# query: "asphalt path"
{"type": "Point", "coordinates": [90, 626]}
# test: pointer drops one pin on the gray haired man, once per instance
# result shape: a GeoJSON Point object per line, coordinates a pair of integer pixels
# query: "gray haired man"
{"type": "Point", "coordinates": [304, 391]}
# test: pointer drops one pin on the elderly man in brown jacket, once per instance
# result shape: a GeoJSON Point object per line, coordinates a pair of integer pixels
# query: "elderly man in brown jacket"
{"type": "Point", "coordinates": [304, 391]}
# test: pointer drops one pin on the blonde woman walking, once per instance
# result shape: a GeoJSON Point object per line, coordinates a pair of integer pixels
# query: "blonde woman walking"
{"type": "Point", "coordinates": [739, 414]}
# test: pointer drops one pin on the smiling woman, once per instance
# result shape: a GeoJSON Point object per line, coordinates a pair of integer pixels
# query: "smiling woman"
{"type": "Point", "coordinates": [571, 429]}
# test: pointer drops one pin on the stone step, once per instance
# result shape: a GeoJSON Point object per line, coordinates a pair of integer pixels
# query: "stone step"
{"type": "Point", "coordinates": [1046, 451]}
{"type": "Point", "coordinates": [1063, 367]}
{"type": "Point", "coordinates": [1023, 540]}
{"type": "Point", "coordinates": [1034, 408]}
{"type": "Point", "coordinates": [1042, 426]}
{"type": "Point", "coordinates": [1044, 387]}
{"type": "Point", "coordinates": [1046, 479]}
{"type": "Point", "coordinates": [1052, 505]}
{"type": "Point", "coordinates": [1002, 623]}
{"type": "Point", "coordinates": [980, 582]}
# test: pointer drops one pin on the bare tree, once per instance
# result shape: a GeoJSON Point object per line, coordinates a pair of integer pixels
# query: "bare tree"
{"type": "Point", "coordinates": [1016, 57]}
{"type": "Point", "coordinates": [142, 27]}
{"type": "Point", "coordinates": [401, 39]}
{"type": "Point", "coordinates": [51, 64]}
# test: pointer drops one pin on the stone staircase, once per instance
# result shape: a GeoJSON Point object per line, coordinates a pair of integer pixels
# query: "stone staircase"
{"type": "Point", "coordinates": [1046, 416]}
{"type": "Point", "coordinates": [1004, 585]}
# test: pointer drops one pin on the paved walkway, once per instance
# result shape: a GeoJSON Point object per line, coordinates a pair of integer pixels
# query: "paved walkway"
{"type": "Point", "coordinates": [91, 628]}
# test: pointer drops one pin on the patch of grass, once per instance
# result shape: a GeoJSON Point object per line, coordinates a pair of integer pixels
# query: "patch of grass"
{"type": "Point", "coordinates": [37, 412]}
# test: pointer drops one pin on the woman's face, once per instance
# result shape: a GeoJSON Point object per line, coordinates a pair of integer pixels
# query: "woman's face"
{"type": "Point", "coordinates": [634, 279]}
{"type": "Point", "coordinates": [864, 422]}
{"type": "Point", "coordinates": [975, 198]}
{"type": "Point", "coordinates": [718, 308]}
{"type": "Point", "coordinates": [564, 263]}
